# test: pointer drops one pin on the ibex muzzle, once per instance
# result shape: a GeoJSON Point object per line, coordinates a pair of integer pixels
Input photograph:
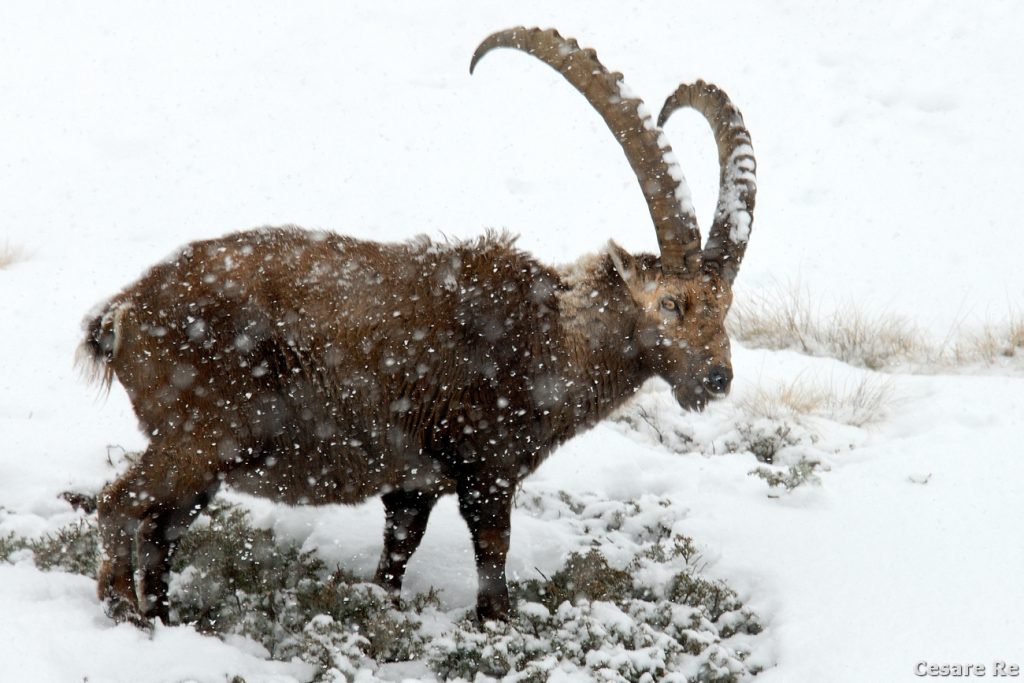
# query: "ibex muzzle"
{"type": "Point", "coordinates": [314, 368]}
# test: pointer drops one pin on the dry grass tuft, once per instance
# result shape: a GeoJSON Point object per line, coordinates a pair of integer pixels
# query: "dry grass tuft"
{"type": "Point", "coordinates": [784, 400]}
{"type": "Point", "coordinates": [10, 254]}
{"type": "Point", "coordinates": [863, 403]}
{"type": "Point", "coordinates": [785, 319]}
{"type": "Point", "coordinates": [991, 343]}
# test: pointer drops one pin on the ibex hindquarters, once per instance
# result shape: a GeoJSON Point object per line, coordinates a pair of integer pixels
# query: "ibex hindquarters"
{"type": "Point", "coordinates": [313, 368]}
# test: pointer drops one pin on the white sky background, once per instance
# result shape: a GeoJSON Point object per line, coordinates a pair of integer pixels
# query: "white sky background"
{"type": "Point", "coordinates": [887, 137]}
{"type": "Point", "coordinates": [889, 162]}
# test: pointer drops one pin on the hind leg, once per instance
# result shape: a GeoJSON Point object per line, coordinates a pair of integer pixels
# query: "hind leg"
{"type": "Point", "coordinates": [406, 513]}
{"type": "Point", "coordinates": [141, 517]}
{"type": "Point", "coordinates": [115, 581]}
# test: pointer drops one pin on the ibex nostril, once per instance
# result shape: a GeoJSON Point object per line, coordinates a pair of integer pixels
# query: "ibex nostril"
{"type": "Point", "coordinates": [718, 380]}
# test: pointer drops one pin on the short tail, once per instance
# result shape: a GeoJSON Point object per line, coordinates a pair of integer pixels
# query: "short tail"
{"type": "Point", "coordinates": [103, 335]}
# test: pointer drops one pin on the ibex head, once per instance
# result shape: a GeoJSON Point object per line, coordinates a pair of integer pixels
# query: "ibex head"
{"type": "Point", "coordinates": [684, 295]}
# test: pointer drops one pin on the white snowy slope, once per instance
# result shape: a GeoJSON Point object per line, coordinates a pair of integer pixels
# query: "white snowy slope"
{"type": "Point", "coordinates": [888, 171]}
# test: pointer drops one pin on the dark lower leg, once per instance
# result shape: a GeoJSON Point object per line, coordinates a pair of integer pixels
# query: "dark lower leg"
{"type": "Point", "coordinates": [487, 509]}
{"type": "Point", "coordinates": [153, 556]}
{"type": "Point", "coordinates": [406, 515]}
{"type": "Point", "coordinates": [115, 581]}
{"type": "Point", "coordinates": [155, 542]}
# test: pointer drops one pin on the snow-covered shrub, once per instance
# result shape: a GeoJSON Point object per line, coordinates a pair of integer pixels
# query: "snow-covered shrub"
{"type": "Point", "coordinates": [766, 439]}
{"type": "Point", "coordinates": [801, 472]}
{"type": "Point", "coordinates": [233, 578]}
{"type": "Point", "coordinates": [644, 418]}
{"type": "Point", "coordinates": [783, 424]}
{"type": "Point", "coordinates": [629, 603]}
{"type": "Point", "coordinates": [332, 647]}
{"type": "Point", "coordinates": [586, 576]}
{"type": "Point", "coordinates": [593, 619]}
{"type": "Point", "coordinates": [72, 548]}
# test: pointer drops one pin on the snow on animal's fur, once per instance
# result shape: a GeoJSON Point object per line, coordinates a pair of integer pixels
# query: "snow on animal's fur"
{"type": "Point", "coordinates": [314, 368]}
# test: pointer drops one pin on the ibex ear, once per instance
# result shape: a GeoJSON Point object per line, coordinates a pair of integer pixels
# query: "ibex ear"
{"type": "Point", "coordinates": [624, 262]}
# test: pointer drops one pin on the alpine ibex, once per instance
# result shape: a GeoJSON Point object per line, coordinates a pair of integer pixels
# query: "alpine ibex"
{"type": "Point", "coordinates": [313, 368]}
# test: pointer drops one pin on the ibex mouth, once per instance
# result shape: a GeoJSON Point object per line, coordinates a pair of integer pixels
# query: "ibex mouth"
{"type": "Point", "coordinates": [692, 397]}
{"type": "Point", "coordinates": [697, 395]}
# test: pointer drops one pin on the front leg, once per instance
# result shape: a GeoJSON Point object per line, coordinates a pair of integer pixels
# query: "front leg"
{"type": "Point", "coordinates": [485, 501]}
{"type": "Point", "coordinates": [406, 515]}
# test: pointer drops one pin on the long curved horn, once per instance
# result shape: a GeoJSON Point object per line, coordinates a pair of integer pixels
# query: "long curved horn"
{"type": "Point", "coordinates": [645, 146]}
{"type": "Point", "coordinates": [737, 188]}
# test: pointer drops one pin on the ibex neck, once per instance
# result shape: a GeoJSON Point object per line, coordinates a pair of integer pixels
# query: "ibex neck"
{"type": "Point", "coordinates": [598, 322]}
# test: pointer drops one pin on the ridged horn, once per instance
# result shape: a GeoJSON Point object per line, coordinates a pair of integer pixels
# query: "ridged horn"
{"type": "Point", "coordinates": [646, 149]}
{"type": "Point", "coordinates": [737, 188]}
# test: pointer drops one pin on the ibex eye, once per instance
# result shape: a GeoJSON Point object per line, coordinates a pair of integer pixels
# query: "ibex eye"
{"type": "Point", "coordinates": [669, 304]}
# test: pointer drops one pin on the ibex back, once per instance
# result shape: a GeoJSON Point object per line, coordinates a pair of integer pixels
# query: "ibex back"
{"type": "Point", "coordinates": [313, 368]}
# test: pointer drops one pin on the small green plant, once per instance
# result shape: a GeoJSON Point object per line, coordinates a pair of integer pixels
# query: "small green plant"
{"type": "Point", "coordinates": [713, 596]}
{"type": "Point", "coordinates": [583, 576]}
{"type": "Point", "coordinates": [766, 439]}
{"type": "Point", "coordinates": [803, 472]}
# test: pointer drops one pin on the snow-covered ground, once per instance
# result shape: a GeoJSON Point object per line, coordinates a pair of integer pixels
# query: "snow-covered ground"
{"type": "Point", "coordinates": [889, 164]}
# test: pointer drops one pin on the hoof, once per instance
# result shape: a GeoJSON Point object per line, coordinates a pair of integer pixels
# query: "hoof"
{"type": "Point", "coordinates": [494, 612]}
{"type": "Point", "coordinates": [122, 611]}
{"type": "Point", "coordinates": [392, 587]}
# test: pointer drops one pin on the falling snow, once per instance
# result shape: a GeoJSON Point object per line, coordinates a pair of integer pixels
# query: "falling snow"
{"type": "Point", "coordinates": [131, 132]}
